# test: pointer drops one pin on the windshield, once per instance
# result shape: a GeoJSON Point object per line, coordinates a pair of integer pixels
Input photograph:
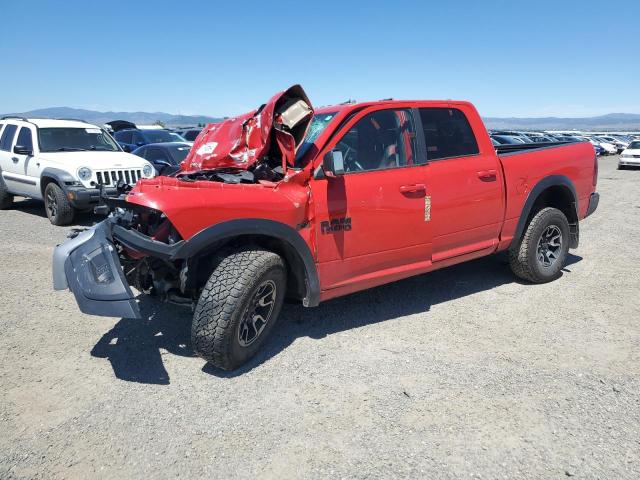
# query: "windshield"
{"type": "Point", "coordinates": [634, 145]}
{"type": "Point", "coordinates": [75, 139]}
{"type": "Point", "coordinates": [162, 136]}
{"type": "Point", "coordinates": [318, 125]}
{"type": "Point", "coordinates": [179, 152]}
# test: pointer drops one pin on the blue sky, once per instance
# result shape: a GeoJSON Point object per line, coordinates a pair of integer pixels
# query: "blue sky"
{"type": "Point", "coordinates": [510, 58]}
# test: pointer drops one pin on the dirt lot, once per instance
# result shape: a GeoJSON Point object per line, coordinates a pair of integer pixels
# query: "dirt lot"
{"type": "Point", "coordinates": [463, 373]}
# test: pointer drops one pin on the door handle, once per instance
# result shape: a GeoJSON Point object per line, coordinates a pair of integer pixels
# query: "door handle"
{"type": "Point", "coordinates": [418, 187]}
{"type": "Point", "coordinates": [488, 175]}
{"type": "Point", "coordinates": [15, 159]}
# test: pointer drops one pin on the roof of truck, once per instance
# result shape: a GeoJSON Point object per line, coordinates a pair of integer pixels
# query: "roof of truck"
{"type": "Point", "coordinates": [387, 102]}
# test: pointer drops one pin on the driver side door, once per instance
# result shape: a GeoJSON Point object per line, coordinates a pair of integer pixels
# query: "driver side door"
{"type": "Point", "coordinates": [372, 223]}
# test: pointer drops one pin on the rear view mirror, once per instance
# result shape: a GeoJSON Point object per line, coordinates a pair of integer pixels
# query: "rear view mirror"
{"type": "Point", "coordinates": [333, 163]}
{"type": "Point", "coordinates": [21, 150]}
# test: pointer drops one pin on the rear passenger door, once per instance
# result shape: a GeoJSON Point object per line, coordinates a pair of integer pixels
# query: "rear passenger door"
{"type": "Point", "coordinates": [12, 167]}
{"type": "Point", "coordinates": [465, 184]}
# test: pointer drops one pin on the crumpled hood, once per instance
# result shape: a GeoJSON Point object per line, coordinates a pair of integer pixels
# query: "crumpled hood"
{"type": "Point", "coordinates": [274, 131]}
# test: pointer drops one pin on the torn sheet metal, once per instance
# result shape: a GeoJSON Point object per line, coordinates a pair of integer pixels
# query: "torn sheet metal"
{"type": "Point", "coordinates": [271, 133]}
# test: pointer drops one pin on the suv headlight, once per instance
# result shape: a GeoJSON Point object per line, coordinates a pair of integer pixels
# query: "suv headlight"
{"type": "Point", "coordinates": [147, 171]}
{"type": "Point", "coordinates": [84, 174]}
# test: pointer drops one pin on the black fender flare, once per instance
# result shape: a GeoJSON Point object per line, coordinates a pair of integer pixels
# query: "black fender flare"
{"type": "Point", "coordinates": [257, 226]}
{"type": "Point", "coordinates": [541, 186]}
{"type": "Point", "coordinates": [62, 177]}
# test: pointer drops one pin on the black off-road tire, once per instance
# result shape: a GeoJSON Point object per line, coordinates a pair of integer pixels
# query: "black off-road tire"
{"type": "Point", "coordinates": [57, 205]}
{"type": "Point", "coordinates": [228, 296]}
{"type": "Point", "coordinates": [524, 256]}
{"type": "Point", "coordinates": [6, 199]}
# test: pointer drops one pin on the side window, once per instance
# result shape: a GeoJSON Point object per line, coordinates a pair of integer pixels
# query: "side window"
{"type": "Point", "coordinates": [447, 133]}
{"type": "Point", "coordinates": [6, 140]}
{"type": "Point", "coordinates": [24, 138]}
{"type": "Point", "coordinates": [380, 140]}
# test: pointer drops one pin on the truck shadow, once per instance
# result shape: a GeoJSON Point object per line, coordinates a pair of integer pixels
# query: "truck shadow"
{"type": "Point", "coordinates": [135, 347]}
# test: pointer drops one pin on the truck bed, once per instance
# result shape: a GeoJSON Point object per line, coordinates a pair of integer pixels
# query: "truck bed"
{"type": "Point", "coordinates": [522, 147]}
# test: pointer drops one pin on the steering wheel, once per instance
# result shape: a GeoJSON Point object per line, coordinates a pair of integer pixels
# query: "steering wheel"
{"type": "Point", "coordinates": [349, 152]}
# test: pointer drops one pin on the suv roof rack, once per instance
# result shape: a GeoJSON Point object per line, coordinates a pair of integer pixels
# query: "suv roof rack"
{"type": "Point", "coordinates": [14, 117]}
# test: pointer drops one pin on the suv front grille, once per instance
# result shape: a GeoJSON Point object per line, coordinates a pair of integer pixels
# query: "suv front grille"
{"type": "Point", "coordinates": [111, 177]}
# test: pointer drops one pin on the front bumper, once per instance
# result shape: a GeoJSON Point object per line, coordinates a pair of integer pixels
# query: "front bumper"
{"type": "Point", "coordinates": [84, 198]}
{"type": "Point", "coordinates": [632, 162]}
{"type": "Point", "coordinates": [89, 266]}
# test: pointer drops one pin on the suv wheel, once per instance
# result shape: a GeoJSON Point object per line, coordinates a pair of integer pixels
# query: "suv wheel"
{"type": "Point", "coordinates": [6, 199]}
{"type": "Point", "coordinates": [541, 254]}
{"type": "Point", "coordinates": [59, 210]}
{"type": "Point", "coordinates": [239, 306]}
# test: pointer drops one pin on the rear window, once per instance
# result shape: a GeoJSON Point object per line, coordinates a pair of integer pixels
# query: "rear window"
{"type": "Point", "coordinates": [6, 140]}
{"type": "Point", "coordinates": [447, 133]}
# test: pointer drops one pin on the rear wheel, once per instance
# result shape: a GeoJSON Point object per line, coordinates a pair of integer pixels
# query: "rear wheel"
{"type": "Point", "coordinates": [6, 199]}
{"type": "Point", "coordinates": [542, 253]}
{"type": "Point", "coordinates": [57, 205]}
{"type": "Point", "coordinates": [239, 306]}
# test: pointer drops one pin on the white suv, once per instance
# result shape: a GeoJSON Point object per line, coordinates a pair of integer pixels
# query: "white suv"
{"type": "Point", "coordinates": [64, 163]}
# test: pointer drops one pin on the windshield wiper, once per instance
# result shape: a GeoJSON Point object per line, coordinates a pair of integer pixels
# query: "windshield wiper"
{"type": "Point", "coordinates": [70, 149]}
{"type": "Point", "coordinates": [93, 147]}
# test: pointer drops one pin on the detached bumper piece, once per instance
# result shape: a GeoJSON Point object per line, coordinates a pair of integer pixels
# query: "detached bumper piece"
{"type": "Point", "coordinates": [89, 266]}
{"type": "Point", "coordinates": [593, 203]}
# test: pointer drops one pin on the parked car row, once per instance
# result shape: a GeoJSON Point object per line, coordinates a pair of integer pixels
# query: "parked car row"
{"type": "Point", "coordinates": [603, 144]}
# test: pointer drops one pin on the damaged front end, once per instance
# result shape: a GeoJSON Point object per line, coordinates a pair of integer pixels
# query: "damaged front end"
{"type": "Point", "coordinates": [137, 245]}
{"type": "Point", "coordinates": [258, 146]}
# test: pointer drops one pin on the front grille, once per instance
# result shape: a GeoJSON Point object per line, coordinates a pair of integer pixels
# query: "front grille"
{"type": "Point", "coordinates": [111, 177]}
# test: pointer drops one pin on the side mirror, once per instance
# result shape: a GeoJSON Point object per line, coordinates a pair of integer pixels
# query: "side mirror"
{"type": "Point", "coordinates": [333, 164]}
{"type": "Point", "coordinates": [140, 144]}
{"type": "Point", "coordinates": [22, 150]}
{"type": "Point", "coordinates": [161, 163]}
{"type": "Point", "coordinates": [126, 148]}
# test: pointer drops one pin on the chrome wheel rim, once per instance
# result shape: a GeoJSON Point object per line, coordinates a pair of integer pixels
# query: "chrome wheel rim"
{"type": "Point", "coordinates": [52, 204]}
{"type": "Point", "coordinates": [257, 314]}
{"type": "Point", "coordinates": [549, 246]}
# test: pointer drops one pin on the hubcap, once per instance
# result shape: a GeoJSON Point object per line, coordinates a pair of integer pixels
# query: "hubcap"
{"type": "Point", "coordinates": [52, 203]}
{"type": "Point", "coordinates": [549, 246]}
{"type": "Point", "coordinates": [257, 314]}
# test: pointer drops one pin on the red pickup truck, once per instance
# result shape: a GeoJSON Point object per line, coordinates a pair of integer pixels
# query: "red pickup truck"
{"type": "Point", "coordinates": [290, 203]}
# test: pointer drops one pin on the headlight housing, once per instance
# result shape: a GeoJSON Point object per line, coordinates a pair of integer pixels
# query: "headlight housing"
{"type": "Point", "coordinates": [84, 174]}
{"type": "Point", "coordinates": [625, 155]}
{"type": "Point", "coordinates": [147, 171]}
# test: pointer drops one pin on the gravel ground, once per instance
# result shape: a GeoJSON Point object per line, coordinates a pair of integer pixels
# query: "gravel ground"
{"type": "Point", "coordinates": [462, 373]}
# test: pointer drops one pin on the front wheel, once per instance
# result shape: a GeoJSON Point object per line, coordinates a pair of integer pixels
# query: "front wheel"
{"type": "Point", "coordinates": [57, 205]}
{"type": "Point", "coordinates": [239, 306]}
{"type": "Point", "coordinates": [542, 253]}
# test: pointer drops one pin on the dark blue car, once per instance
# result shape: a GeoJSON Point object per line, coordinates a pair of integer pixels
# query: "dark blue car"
{"type": "Point", "coordinates": [165, 157]}
{"type": "Point", "coordinates": [132, 138]}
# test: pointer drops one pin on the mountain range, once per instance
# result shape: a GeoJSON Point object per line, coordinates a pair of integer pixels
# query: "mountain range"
{"type": "Point", "coordinates": [612, 121]}
{"type": "Point", "coordinates": [100, 118]}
